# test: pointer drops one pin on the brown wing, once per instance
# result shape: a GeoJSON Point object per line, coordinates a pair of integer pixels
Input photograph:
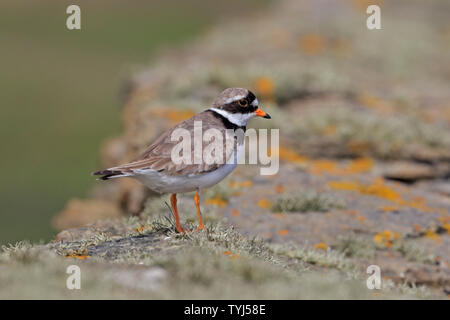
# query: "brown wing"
{"type": "Point", "coordinates": [158, 155]}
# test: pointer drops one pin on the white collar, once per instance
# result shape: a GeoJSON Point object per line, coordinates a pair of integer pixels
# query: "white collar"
{"type": "Point", "coordinates": [239, 119]}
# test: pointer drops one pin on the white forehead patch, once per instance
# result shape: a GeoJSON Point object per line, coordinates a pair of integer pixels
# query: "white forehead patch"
{"type": "Point", "coordinates": [233, 99]}
{"type": "Point", "coordinates": [255, 102]}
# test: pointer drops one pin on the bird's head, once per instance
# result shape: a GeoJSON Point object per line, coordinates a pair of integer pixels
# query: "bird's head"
{"type": "Point", "coordinates": [238, 105]}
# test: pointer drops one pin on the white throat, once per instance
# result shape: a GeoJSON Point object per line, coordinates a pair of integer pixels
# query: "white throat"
{"type": "Point", "coordinates": [239, 119]}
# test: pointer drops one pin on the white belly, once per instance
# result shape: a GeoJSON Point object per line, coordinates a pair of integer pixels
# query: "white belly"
{"type": "Point", "coordinates": [162, 183]}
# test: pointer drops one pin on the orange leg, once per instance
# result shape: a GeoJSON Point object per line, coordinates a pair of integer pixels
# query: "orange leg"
{"type": "Point", "coordinates": [197, 205]}
{"type": "Point", "coordinates": [173, 202]}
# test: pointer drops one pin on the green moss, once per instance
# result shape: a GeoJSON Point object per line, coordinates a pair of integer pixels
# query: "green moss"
{"type": "Point", "coordinates": [326, 259]}
{"type": "Point", "coordinates": [218, 263]}
{"type": "Point", "coordinates": [414, 251]}
{"type": "Point", "coordinates": [305, 202]}
{"type": "Point", "coordinates": [356, 246]}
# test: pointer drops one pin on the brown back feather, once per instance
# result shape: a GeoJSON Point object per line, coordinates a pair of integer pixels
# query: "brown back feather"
{"type": "Point", "coordinates": [158, 155]}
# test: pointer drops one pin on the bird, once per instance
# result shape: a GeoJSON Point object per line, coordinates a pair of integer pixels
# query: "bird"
{"type": "Point", "coordinates": [156, 169]}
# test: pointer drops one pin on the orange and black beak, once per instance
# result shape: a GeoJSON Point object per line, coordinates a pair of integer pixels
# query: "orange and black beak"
{"type": "Point", "coordinates": [262, 114]}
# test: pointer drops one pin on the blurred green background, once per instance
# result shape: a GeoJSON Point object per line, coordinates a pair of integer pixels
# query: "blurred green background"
{"type": "Point", "coordinates": [59, 92]}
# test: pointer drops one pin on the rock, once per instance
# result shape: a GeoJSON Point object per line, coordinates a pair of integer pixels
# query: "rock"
{"type": "Point", "coordinates": [74, 234]}
{"type": "Point", "coordinates": [407, 171]}
{"type": "Point", "coordinates": [79, 213]}
{"type": "Point", "coordinates": [427, 154]}
{"type": "Point", "coordinates": [109, 227]}
{"type": "Point", "coordinates": [429, 275]}
{"type": "Point", "coordinates": [440, 186]}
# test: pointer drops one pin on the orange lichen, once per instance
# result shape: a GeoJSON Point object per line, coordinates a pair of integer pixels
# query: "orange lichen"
{"type": "Point", "coordinates": [389, 208]}
{"type": "Point", "coordinates": [386, 238]}
{"type": "Point", "coordinates": [217, 201]}
{"type": "Point", "coordinates": [283, 232]}
{"type": "Point", "coordinates": [329, 130]}
{"type": "Point", "coordinates": [345, 185]}
{"type": "Point", "coordinates": [432, 235]}
{"type": "Point", "coordinates": [233, 256]}
{"type": "Point", "coordinates": [359, 165]}
{"type": "Point", "coordinates": [361, 218]}
{"type": "Point", "coordinates": [140, 229]}
{"type": "Point", "coordinates": [354, 167]}
{"type": "Point", "coordinates": [290, 155]}
{"type": "Point", "coordinates": [241, 184]}
{"type": "Point", "coordinates": [374, 103]}
{"type": "Point", "coordinates": [419, 203]}
{"type": "Point", "coordinates": [357, 215]}
{"type": "Point", "coordinates": [444, 220]}
{"type": "Point", "coordinates": [376, 294]}
{"type": "Point", "coordinates": [76, 256]}
{"type": "Point", "coordinates": [378, 238]}
{"type": "Point", "coordinates": [376, 188]}
{"type": "Point", "coordinates": [312, 44]}
{"type": "Point", "coordinates": [321, 246]}
{"type": "Point", "coordinates": [323, 166]}
{"type": "Point", "coordinates": [265, 87]}
{"type": "Point", "coordinates": [264, 203]}
{"type": "Point", "coordinates": [446, 226]}
{"type": "Point", "coordinates": [379, 189]}
{"type": "Point", "coordinates": [235, 212]}
{"type": "Point", "coordinates": [279, 188]}
{"type": "Point", "coordinates": [280, 215]}
{"type": "Point", "coordinates": [358, 147]}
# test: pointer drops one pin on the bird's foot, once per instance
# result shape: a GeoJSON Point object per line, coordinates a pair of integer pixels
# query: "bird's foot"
{"type": "Point", "coordinates": [181, 230]}
{"type": "Point", "coordinates": [200, 227]}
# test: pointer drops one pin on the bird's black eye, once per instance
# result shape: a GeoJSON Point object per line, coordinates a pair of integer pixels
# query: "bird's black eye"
{"type": "Point", "coordinates": [243, 102]}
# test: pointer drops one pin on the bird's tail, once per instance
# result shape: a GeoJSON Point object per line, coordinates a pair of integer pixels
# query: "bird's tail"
{"type": "Point", "coordinates": [110, 174]}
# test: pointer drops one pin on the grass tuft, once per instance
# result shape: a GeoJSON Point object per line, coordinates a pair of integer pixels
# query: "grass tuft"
{"type": "Point", "coordinates": [353, 245]}
{"type": "Point", "coordinates": [306, 202]}
{"type": "Point", "coordinates": [414, 252]}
